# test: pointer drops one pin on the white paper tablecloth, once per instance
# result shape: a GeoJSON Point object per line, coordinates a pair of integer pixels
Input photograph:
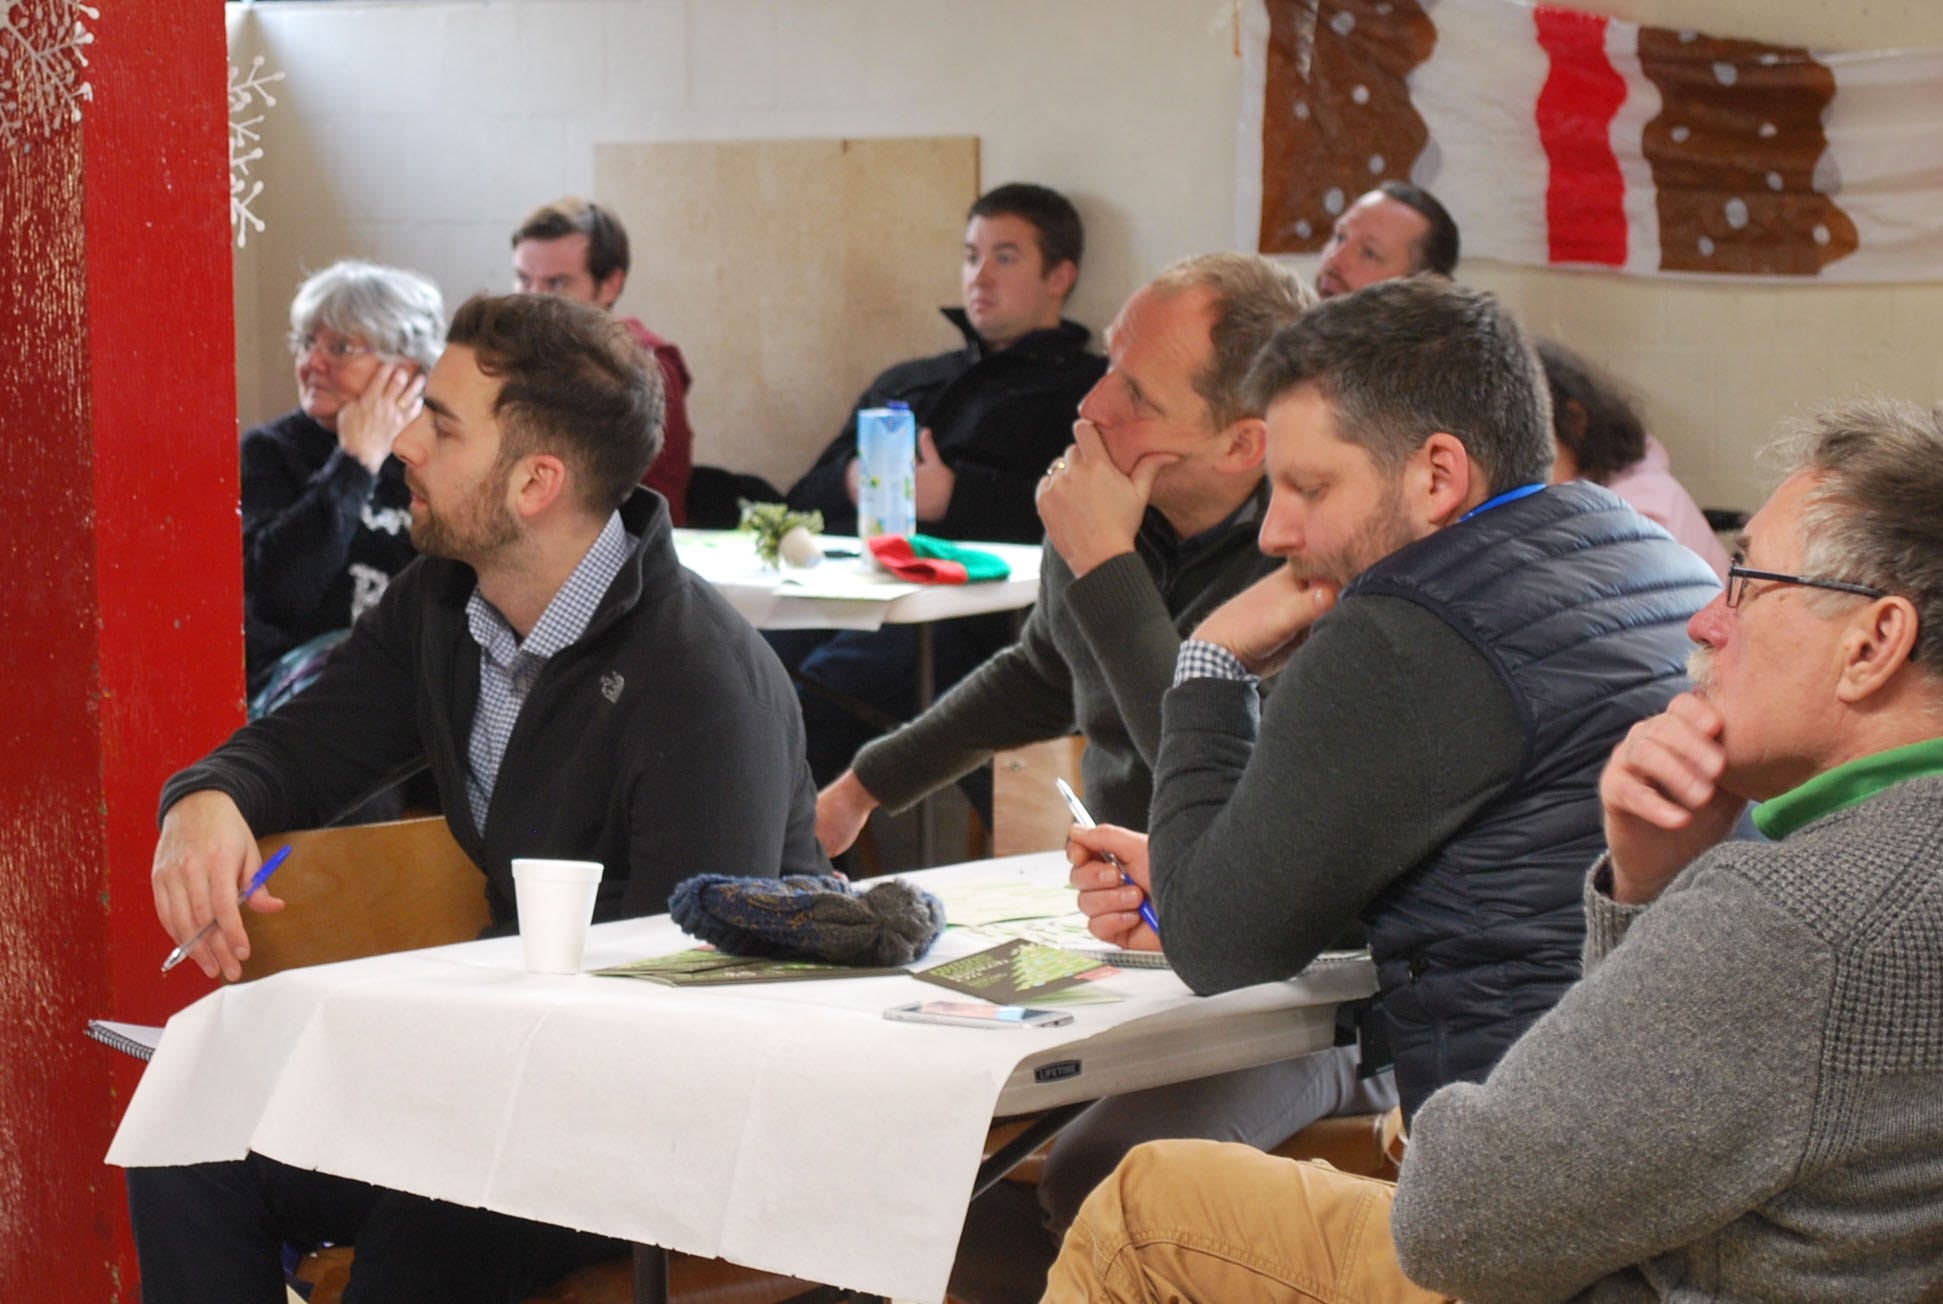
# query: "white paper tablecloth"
{"type": "Point", "coordinates": [787, 1126]}
{"type": "Point", "coordinates": [847, 592]}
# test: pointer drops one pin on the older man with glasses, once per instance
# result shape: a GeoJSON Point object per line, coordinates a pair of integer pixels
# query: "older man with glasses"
{"type": "Point", "coordinates": [1740, 1100]}
{"type": "Point", "coordinates": [326, 515]}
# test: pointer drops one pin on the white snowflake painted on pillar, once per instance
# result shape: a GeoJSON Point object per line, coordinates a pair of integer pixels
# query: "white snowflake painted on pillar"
{"type": "Point", "coordinates": [42, 66]}
{"type": "Point", "coordinates": [245, 144]}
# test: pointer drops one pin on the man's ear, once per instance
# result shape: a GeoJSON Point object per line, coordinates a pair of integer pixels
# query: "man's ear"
{"type": "Point", "coordinates": [1061, 279]}
{"type": "Point", "coordinates": [1438, 480]}
{"type": "Point", "coordinates": [607, 290]}
{"type": "Point", "coordinates": [538, 481]}
{"type": "Point", "coordinates": [1243, 446]}
{"type": "Point", "coordinates": [1877, 643]}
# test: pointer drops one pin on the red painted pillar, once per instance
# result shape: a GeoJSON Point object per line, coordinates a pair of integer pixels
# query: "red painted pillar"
{"type": "Point", "coordinates": [120, 609]}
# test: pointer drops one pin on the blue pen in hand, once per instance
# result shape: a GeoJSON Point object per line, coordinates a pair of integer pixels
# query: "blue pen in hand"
{"type": "Point", "coordinates": [1083, 818]}
{"type": "Point", "coordinates": [257, 880]}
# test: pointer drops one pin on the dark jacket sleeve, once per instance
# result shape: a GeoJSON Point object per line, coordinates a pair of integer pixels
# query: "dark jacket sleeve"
{"type": "Point", "coordinates": [1022, 694]}
{"type": "Point", "coordinates": [823, 488]}
{"type": "Point", "coordinates": [726, 788]}
{"type": "Point", "coordinates": [997, 460]}
{"type": "Point", "coordinates": [1275, 823]}
{"type": "Point", "coordinates": [297, 525]}
{"type": "Point", "coordinates": [351, 733]}
{"type": "Point", "coordinates": [998, 503]}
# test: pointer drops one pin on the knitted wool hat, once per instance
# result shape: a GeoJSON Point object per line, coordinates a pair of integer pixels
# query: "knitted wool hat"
{"type": "Point", "coordinates": [809, 917]}
{"type": "Point", "coordinates": [927, 560]}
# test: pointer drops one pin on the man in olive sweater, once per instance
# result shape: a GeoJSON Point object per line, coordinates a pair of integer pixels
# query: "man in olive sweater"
{"type": "Point", "coordinates": [1743, 1098]}
{"type": "Point", "coordinates": [1150, 524]}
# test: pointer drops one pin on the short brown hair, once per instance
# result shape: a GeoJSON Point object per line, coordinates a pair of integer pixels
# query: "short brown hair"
{"type": "Point", "coordinates": [571, 215]}
{"type": "Point", "coordinates": [573, 382]}
{"type": "Point", "coordinates": [1062, 236]}
{"type": "Point", "coordinates": [1400, 360]}
{"type": "Point", "coordinates": [1253, 298]}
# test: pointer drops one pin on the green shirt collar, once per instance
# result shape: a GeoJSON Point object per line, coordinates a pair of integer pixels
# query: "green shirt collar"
{"type": "Point", "coordinates": [1847, 785]}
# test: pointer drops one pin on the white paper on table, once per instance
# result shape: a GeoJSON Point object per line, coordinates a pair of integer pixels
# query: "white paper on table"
{"type": "Point", "coordinates": [735, 1133]}
{"type": "Point", "coordinates": [787, 1126]}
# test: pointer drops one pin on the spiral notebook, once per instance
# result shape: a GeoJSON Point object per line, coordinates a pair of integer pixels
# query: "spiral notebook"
{"type": "Point", "coordinates": [1120, 959]}
{"type": "Point", "coordinates": [137, 1039]}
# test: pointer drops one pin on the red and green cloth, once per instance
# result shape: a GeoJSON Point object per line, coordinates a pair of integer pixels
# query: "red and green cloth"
{"type": "Point", "coordinates": [926, 560]}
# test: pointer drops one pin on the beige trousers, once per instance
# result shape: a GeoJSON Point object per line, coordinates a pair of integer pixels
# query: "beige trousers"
{"type": "Point", "coordinates": [1227, 1224]}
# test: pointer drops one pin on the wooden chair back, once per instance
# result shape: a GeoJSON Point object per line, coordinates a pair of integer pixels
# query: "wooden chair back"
{"type": "Point", "coordinates": [366, 889]}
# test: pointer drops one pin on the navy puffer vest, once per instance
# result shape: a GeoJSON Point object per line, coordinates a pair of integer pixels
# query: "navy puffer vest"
{"type": "Point", "coordinates": [1581, 605]}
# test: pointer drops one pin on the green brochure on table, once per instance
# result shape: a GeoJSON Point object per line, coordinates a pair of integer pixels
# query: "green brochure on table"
{"type": "Point", "coordinates": [705, 967]}
{"type": "Point", "coordinates": [1017, 972]}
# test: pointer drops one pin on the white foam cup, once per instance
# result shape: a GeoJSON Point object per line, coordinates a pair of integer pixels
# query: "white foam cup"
{"type": "Point", "coordinates": [555, 900]}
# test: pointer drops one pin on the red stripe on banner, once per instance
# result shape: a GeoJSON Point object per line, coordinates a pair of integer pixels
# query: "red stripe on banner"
{"type": "Point", "coordinates": [1585, 196]}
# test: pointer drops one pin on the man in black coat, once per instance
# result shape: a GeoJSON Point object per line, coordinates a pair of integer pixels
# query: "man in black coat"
{"type": "Point", "coordinates": [991, 416]}
{"type": "Point", "coordinates": [575, 693]}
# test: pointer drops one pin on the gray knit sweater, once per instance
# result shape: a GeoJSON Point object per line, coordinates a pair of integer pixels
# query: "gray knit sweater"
{"type": "Point", "coordinates": [1096, 654]}
{"type": "Point", "coordinates": [1742, 1100]}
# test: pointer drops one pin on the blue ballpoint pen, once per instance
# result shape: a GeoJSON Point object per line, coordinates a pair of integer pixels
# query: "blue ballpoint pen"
{"type": "Point", "coordinates": [257, 880]}
{"type": "Point", "coordinates": [1084, 819]}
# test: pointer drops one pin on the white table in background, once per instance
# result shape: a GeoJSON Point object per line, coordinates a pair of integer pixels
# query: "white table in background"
{"type": "Point", "coordinates": [850, 593]}
{"type": "Point", "coordinates": [787, 1126]}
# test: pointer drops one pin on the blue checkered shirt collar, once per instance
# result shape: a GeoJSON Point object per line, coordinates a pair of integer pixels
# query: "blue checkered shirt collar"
{"type": "Point", "coordinates": [509, 666]}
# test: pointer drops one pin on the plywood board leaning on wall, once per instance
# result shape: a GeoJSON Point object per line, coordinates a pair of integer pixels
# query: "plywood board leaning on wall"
{"type": "Point", "coordinates": [789, 273]}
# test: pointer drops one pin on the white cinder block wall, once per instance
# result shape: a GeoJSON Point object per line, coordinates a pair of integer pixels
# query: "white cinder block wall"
{"type": "Point", "coordinates": [419, 131]}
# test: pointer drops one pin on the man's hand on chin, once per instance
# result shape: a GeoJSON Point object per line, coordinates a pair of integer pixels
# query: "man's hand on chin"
{"type": "Point", "coordinates": [1265, 623]}
{"type": "Point", "coordinates": [1091, 509]}
{"type": "Point", "coordinates": [1662, 797]}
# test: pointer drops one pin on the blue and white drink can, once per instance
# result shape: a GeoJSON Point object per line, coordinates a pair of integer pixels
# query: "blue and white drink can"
{"type": "Point", "coordinates": [887, 454]}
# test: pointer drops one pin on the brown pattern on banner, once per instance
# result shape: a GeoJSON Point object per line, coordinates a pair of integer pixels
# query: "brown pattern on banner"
{"type": "Point", "coordinates": [1336, 113]}
{"type": "Point", "coordinates": [1734, 152]}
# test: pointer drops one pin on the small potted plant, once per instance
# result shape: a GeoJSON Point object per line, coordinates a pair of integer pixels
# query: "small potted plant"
{"type": "Point", "coordinates": [782, 536]}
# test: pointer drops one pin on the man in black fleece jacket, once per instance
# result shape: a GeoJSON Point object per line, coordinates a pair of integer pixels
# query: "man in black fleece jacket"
{"type": "Point", "coordinates": [990, 415]}
{"type": "Point", "coordinates": [575, 692]}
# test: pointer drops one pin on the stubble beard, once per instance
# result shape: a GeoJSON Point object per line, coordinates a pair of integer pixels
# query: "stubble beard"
{"type": "Point", "coordinates": [1385, 532]}
{"type": "Point", "coordinates": [480, 526]}
{"type": "Point", "coordinates": [1700, 669]}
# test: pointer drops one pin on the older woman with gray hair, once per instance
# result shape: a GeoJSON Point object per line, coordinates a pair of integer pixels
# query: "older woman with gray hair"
{"type": "Point", "coordinates": [326, 514]}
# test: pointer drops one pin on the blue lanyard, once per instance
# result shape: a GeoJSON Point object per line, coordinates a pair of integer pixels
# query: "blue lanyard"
{"type": "Point", "coordinates": [1508, 496]}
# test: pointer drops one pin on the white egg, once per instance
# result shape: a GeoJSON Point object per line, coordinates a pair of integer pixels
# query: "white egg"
{"type": "Point", "coordinates": [799, 548]}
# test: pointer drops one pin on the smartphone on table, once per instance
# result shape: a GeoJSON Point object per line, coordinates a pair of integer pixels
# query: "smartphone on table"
{"type": "Point", "coordinates": [977, 1014]}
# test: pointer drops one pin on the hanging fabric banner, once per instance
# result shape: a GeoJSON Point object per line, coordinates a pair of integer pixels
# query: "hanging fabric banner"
{"type": "Point", "coordinates": [1559, 137]}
